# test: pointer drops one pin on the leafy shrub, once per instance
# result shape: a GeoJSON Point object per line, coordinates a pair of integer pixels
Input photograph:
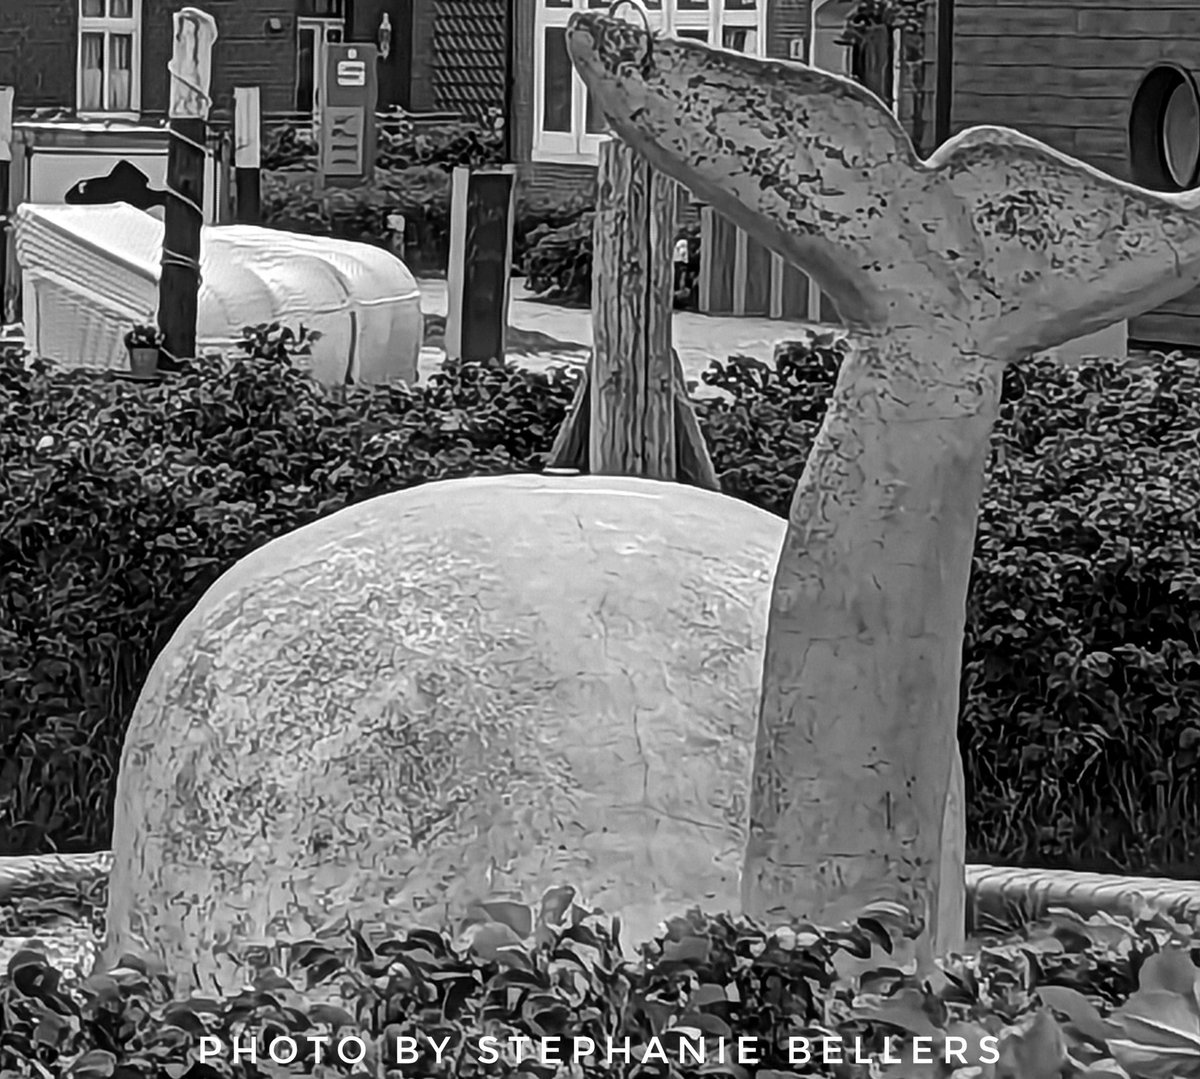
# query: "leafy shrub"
{"type": "Point", "coordinates": [445, 146]}
{"type": "Point", "coordinates": [558, 261]}
{"type": "Point", "coordinates": [1064, 998]}
{"type": "Point", "coordinates": [288, 146]}
{"type": "Point", "coordinates": [421, 193]}
{"type": "Point", "coordinates": [1080, 675]}
{"type": "Point", "coordinates": [402, 144]}
{"type": "Point", "coordinates": [1080, 715]}
{"type": "Point", "coordinates": [123, 504]}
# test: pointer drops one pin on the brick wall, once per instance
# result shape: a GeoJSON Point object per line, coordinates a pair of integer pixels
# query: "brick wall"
{"type": "Point", "coordinates": [37, 51]}
{"type": "Point", "coordinates": [1065, 73]}
{"type": "Point", "coordinates": [245, 54]}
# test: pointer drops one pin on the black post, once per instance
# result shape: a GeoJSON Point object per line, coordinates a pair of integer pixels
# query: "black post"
{"type": "Point", "coordinates": [944, 95]}
{"type": "Point", "coordinates": [6, 152]}
{"type": "Point", "coordinates": [247, 154]}
{"type": "Point", "coordinates": [183, 216]}
{"type": "Point", "coordinates": [510, 68]}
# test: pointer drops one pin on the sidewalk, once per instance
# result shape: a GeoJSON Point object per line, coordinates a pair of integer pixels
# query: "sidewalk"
{"type": "Point", "coordinates": [564, 334]}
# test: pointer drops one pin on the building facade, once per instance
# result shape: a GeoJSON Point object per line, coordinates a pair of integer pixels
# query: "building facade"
{"type": "Point", "coordinates": [1110, 82]}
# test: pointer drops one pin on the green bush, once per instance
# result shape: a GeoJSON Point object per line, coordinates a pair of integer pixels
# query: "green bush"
{"type": "Point", "coordinates": [294, 201]}
{"type": "Point", "coordinates": [401, 144]}
{"type": "Point", "coordinates": [1080, 680]}
{"type": "Point", "coordinates": [558, 261]}
{"type": "Point", "coordinates": [1064, 999]}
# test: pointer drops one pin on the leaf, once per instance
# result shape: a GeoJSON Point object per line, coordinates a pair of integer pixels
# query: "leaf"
{"type": "Point", "coordinates": [556, 902]}
{"type": "Point", "coordinates": [691, 950]}
{"type": "Point", "coordinates": [498, 943]}
{"type": "Point", "coordinates": [95, 1064]}
{"type": "Point", "coordinates": [1171, 971]}
{"type": "Point", "coordinates": [708, 993]}
{"type": "Point", "coordinates": [1033, 1050]}
{"type": "Point", "coordinates": [904, 1010]}
{"type": "Point", "coordinates": [516, 916]}
{"type": "Point", "coordinates": [1079, 1010]}
{"type": "Point", "coordinates": [1162, 1021]}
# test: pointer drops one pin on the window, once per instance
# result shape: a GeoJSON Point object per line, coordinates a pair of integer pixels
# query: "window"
{"type": "Point", "coordinates": [110, 57]}
{"type": "Point", "coordinates": [567, 126]}
{"type": "Point", "coordinates": [1164, 131]}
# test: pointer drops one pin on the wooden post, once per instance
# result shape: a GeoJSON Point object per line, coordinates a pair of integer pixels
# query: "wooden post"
{"type": "Point", "coordinates": [6, 155]}
{"type": "Point", "coordinates": [632, 401]}
{"type": "Point", "coordinates": [247, 154]}
{"type": "Point", "coordinates": [631, 415]}
{"type": "Point", "coordinates": [479, 275]}
{"type": "Point", "coordinates": [191, 75]}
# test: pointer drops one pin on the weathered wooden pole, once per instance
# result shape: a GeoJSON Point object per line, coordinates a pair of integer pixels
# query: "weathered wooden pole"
{"type": "Point", "coordinates": [191, 76]}
{"type": "Point", "coordinates": [631, 415]}
{"type": "Point", "coordinates": [632, 423]}
{"type": "Point", "coordinates": [247, 154]}
{"type": "Point", "coordinates": [6, 154]}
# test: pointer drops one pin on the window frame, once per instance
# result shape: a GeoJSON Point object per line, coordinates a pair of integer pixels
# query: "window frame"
{"type": "Point", "coordinates": [578, 147]}
{"type": "Point", "coordinates": [108, 26]}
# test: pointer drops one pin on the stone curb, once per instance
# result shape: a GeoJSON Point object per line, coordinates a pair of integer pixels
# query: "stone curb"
{"type": "Point", "coordinates": [994, 892]}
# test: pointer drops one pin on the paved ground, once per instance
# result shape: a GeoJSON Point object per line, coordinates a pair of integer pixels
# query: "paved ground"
{"type": "Point", "coordinates": [544, 333]}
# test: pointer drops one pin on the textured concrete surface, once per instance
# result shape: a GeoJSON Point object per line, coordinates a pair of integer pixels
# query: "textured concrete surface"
{"type": "Point", "coordinates": [699, 339]}
{"type": "Point", "coordinates": [473, 688]}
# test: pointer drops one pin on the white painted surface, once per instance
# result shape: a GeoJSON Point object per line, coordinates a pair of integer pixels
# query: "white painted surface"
{"type": "Point", "coordinates": [89, 272]}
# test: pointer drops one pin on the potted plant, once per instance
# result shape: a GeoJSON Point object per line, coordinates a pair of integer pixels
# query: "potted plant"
{"type": "Point", "coordinates": [144, 343]}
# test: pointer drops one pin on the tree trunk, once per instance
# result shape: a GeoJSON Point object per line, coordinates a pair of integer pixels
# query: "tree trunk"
{"type": "Point", "coordinates": [632, 422]}
{"type": "Point", "coordinates": [857, 739]}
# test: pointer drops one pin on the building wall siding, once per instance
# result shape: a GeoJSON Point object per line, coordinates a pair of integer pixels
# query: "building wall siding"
{"type": "Point", "coordinates": [37, 52]}
{"type": "Point", "coordinates": [1066, 73]}
{"type": "Point", "coordinates": [246, 53]}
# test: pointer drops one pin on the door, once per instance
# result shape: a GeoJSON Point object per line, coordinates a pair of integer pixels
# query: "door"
{"type": "Point", "coordinates": [312, 35]}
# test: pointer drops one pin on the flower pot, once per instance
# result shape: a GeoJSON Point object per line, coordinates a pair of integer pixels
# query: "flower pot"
{"type": "Point", "coordinates": [143, 361]}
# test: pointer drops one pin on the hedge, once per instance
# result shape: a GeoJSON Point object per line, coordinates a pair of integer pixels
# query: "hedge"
{"type": "Point", "coordinates": [294, 200]}
{"type": "Point", "coordinates": [545, 992]}
{"type": "Point", "coordinates": [1079, 721]}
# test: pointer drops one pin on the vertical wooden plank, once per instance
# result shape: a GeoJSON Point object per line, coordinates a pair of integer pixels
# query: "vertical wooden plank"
{"type": "Point", "coordinates": [757, 288]}
{"type": "Point", "coordinates": [247, 154]}
{"type": "Point", "coordinates": [740, 240]}
{"type": "Point", "coordinates": [632, 421]}
{"type": "Point", "coordinates": [7, 94]}
{"type": "Point", "coordinates": [459, 182]}
{"type": "Point", "coordinates": [708, 238]}
{"type": "Point", "coordinates": [775, 310]}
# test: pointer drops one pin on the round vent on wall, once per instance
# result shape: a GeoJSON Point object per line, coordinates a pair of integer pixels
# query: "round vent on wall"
{"type": "Point", "coordinates": [1164, 130]}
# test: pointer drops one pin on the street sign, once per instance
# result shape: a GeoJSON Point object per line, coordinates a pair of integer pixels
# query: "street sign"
{"type": "Point", "coordinates": [346, 113]}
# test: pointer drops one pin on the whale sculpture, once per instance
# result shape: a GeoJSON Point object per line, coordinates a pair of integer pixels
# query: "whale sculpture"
{"type": "Point", "coordinates": [482, 687]}
{"type": "Point", "coordinates": [944, 271]}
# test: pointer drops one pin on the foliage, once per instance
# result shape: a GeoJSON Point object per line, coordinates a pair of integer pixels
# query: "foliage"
{"type": "Point", "coordinates": [1081, 681]}
{"type": "Point", "coordinates": [907, 15]}
{"type": "Point", "coordinates": [144, 335]}
{"type": "Point", "coordinates": [559, 261]}
{"type": "Point", "coordinates": [421, 193]}
{"type": "Point", "coordinates": [294, 201]}
{"type": "Point", "coordinates": [1063, 998]}
{"type": "Point", "coordinates": [402, 144]}
{"type": "Point", "coordinates": [124, 503]}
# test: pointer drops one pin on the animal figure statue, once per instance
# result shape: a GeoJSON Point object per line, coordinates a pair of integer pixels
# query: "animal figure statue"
{"type": "Point", "coordinates": [944, 271]}
{"type": "Point", "coordinates": [658, 694]}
